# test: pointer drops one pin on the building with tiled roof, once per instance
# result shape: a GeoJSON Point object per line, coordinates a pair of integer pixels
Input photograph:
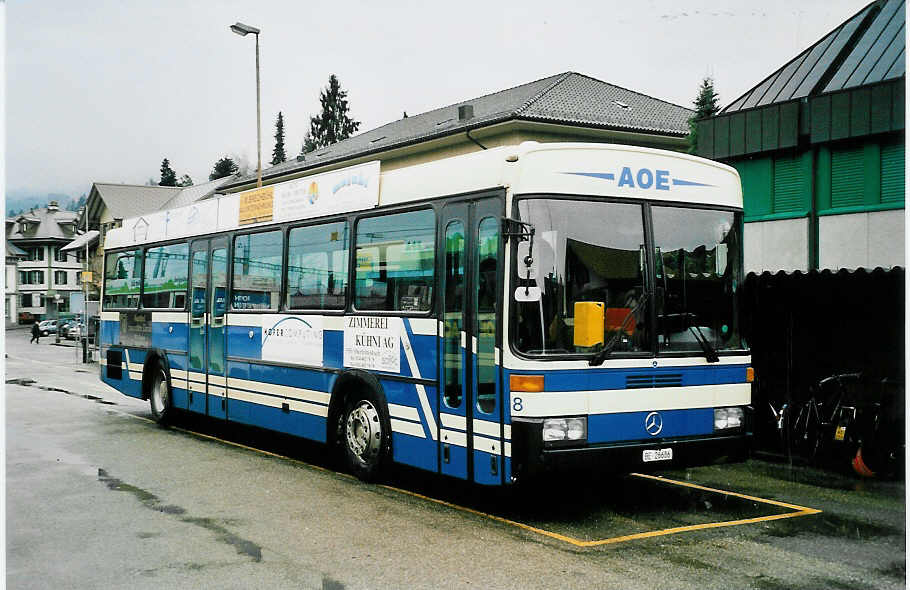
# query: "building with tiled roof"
{"type": "Point", "coordinates": [564, 107]}
{"type": "Point", "coordinates": [45, 274]}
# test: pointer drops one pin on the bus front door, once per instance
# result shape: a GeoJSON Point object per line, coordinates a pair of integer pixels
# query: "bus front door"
{"type": "Point", "coordinates": [470, 405]}
{"type": "Point", "coordinates": [206, 350]}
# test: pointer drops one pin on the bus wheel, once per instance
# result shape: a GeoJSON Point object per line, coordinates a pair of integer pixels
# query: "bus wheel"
{"type": "Point", "coordinates": [160, 396]}
{"type": "Point", "coordinates": [365, 436]}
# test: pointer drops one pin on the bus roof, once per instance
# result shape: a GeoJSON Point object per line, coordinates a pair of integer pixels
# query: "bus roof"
{"type": "Point", "coordinates": [590, 169]}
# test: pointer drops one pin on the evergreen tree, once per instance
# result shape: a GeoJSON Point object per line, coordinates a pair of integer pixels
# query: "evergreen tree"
{"type": "Point", "coordinates": [168, 176]}
{"type": "Point", "coordinates": [706, 105]}
{"type": "Point", "coordinates": [278, 155]}
{"type": "Point", "coordinates": [333, 124]}
{"type": "Point", "coordinates": [223, 167]}
{"type": "Point", "coordinates": [77, 204]}
{"type": "Point", "coordinates": [185, 180]}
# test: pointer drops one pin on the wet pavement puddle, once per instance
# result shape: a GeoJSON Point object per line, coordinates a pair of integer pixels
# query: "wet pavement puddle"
{"type": "Point", "coordinates": [152, 502]}
{"type": "Point", "coordinates": [29, 382]}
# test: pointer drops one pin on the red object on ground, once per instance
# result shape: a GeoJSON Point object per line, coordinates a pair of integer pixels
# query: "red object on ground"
{"type": "Point", "coordinates": [859, 466]}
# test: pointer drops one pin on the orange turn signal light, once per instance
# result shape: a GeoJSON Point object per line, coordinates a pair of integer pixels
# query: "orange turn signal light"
{"type": "Point", "coordinates": [526, 382]}
{"type": "Point", "coordinates": [750, 374]}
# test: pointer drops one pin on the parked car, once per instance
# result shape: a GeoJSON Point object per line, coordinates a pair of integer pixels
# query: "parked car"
{"type": "Point", "coordinates": [47, 327]}
{"type": "Point", "coordinates": [77, 332]}
{"type": "Point", "coordinates": [74, 331]}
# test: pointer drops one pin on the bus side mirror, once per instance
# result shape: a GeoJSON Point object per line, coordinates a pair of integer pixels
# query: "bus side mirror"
{"type": "Point", "coordinates": [527, 294]}
{"type": "Point", "coordinates": [589, 324]}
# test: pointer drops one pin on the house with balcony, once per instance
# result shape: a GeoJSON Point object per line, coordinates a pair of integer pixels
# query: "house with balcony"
{"type": "Point", "coordinates": [11, 298]}
{"type": "Point", "coordinates": [46, 275]}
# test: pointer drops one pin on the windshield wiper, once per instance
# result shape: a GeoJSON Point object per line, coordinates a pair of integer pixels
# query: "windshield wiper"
{"type": "Point", "coordinates": [601, 355]}
{"type": "Point", "coordinates": [710, 353]}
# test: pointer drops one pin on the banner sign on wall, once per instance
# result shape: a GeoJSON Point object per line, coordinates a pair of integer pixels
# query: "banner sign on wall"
{"type": "Point", "coordinates": [373, 343]}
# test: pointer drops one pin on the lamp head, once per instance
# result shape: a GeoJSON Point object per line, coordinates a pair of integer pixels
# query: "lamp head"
{"type": "Point", "coordinates": [242, 29]}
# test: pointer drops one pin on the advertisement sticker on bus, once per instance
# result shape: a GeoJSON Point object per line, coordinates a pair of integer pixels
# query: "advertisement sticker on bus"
{"type": "Point", "coordinates": [373, 343]}
{"type": "Point", "coordinates": [292, 339]}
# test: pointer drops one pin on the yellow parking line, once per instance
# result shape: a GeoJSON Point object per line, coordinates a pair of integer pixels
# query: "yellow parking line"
{"type": "Point", "coordinates": [728, 493]}
{"type": "Point", "coordinates": [797, 510]}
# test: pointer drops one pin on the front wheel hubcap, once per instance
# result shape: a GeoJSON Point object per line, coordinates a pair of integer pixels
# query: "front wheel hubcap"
{"type": "Point", "coordinates": [363, 432]}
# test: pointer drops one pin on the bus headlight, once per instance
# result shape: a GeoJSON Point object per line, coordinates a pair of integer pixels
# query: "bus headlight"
{"type": "Point", "coordinates": [565, 429]}
{"type": "Point", "coordinates": [727, 418]}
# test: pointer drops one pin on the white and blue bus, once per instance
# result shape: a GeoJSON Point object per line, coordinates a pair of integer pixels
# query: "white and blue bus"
{"type": "Point", "coordinates": [490, 316]}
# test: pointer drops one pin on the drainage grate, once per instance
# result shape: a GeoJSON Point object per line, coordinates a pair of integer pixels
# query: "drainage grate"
{"type": "Point", "coordinates": [654, 380]}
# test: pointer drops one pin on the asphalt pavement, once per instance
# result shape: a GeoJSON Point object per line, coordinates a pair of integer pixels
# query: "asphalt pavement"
{"type": "Point", "coordinates": [98, 496]}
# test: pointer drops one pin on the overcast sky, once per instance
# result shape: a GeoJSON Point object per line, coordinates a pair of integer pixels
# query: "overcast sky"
{"type": "Point", "coordinates": [103, 90]}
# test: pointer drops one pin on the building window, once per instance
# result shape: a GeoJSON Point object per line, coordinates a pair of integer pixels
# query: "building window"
{"type": "Point", "coordinates": [318, 266]}
{"type": "Point", "coordinates": [395, 262]}
{"type": "Point", "coordinates": [257, 271]}
{"type": "Point", "coordinates": [59, 254]}
{"type": "Point", "coordinates": [35, 254]}
{"type": "Point", "coordinates": [60, 277]}
{"type": "Point", "coordinates": [31, 277]}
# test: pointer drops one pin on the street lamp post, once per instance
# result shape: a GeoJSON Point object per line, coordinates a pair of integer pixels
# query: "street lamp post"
{"type": "Point", "coordinates": [243, 30]}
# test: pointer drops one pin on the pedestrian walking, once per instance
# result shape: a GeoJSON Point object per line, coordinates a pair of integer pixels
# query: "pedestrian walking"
{"type": "Point", "coordinates": [36, 334]}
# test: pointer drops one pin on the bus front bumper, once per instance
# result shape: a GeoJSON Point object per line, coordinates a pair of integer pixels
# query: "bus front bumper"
{"type": "Point", "coordinates": [531, 458]}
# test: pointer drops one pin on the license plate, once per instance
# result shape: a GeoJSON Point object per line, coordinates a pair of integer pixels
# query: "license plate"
{"type": "Point", "coordinates": [657, 455]}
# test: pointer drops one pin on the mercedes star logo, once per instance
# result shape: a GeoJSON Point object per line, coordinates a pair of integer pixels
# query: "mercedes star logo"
{"type": "Point", "coordinates": [654, 423]}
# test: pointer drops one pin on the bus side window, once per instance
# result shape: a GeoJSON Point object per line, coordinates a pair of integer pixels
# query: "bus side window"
{"type": "Point", "coordinates": [257, 271]}
{"type": "Point", "coordinates": [395, 262]}
{"type": "Point", "coordinates": [165, 277]}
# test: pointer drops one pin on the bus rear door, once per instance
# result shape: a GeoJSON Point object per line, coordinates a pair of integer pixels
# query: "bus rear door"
{"type": "Point", "coordinates": [208, 307]}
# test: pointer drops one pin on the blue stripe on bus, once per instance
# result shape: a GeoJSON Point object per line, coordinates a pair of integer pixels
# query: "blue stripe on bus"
{"type": "Point", "coordinates": [333, 349]}
{"type": "Point", "coordinates": [483, 472]}
{"type": "Point", "coordinates": [290, 376]}
{"type": "Point", "coordinates": [424, 348]}
{"type": "Point", "coordinates": [410, 450]}
{"type": "Point", "coordinates": [240, 344]}
{"type": "Point", "coordinates": [595, 380]}
{"type": "Point", "coordinates": [173, 340]}
{"type": "Point", "coordinates": [179, 392]}
{"type": "Point", "coordinates": [136, 356]}
{"type": "Point", "coordinates": [627, 426]}
{"type": "Point", "coordinates": [295, 423]}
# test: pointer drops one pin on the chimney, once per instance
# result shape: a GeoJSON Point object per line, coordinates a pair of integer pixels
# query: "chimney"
{"type": "Point", "coordinates": [465, 112]}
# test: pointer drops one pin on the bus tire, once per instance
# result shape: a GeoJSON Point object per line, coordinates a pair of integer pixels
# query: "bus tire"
{"type": "Point", "coordinates": [160, 395]}
{"type": "Point", "coordinates": [366, 434]}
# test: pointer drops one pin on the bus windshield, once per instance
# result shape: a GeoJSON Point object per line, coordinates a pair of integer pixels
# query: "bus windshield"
{"type": "Point", "coordinates": [590, 263]}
